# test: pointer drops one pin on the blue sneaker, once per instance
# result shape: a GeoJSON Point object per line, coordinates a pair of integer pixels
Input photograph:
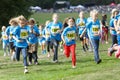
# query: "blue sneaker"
{"type": "Point", "coordinates": [44, 51]}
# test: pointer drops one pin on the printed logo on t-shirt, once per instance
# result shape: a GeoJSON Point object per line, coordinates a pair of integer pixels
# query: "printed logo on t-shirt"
{"type": "Point", "coordinates": [4, 36]}
{"type": "Point", "coordinates": [95, 29]}
{"type": "Point", "coordinates": [10, 34]}
{"type": "Point", "coordinates": [23, 34]}
{"type": "Point", "coordinates": [82, 24]}
{"type": "Point", "coordinates": [71, 35]}
{"type": "Point", "coordinates": [55, 29]}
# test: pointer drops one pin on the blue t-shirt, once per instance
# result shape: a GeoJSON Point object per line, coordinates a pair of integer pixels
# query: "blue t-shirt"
{"type": "Point", "coordinates": [93, 28]}
{"type": "Point", "coordinates": [89, 19]}
{"type": "Point", "coordinates": [33, 38]}
{"type": "Point", "coordinates": [42, 35]}
{"type": "Point", "coordinates": [69, 34]}
{"type": "Point", "coordinates": [113, 32]}
{"type": "Point", "coordinates": [4, 37]}
{"type": "Point", "coordinates": [53, 30]}
{"type": "Point", "coordinates": [21, 33]}
{"type": "Point", "coordinates": [47, 34]}
{"type": "Point", "coordinates": [117, 17]}
{"type": "Point", "coordinates": [9, 32]}
{"type": "Point", "coordinates": [82, 25]}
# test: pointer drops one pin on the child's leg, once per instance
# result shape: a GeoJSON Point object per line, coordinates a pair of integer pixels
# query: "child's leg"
{"type": "Point", "coordinates": [72, 49]}
{"type": "Point", "coordinates": [24, 53]}
{"type": "Point", "coordinates": [95, 43]}
{"type": "Point", "coordinates": [82, 43]}
{"type": "Point", "coordinates": [55, 44]}
{"type": "Point", "coordinates": [34, 56]}
{"type": "Point", "coordinates": [18, 53]}
{"type": "Point", "coordinates": [8, 47]}
{"type": "Point", "coordinates": [85, 43]}
{"type": "Point", "coordinates": [67, 50]}
{"type": "Point", "coordinates": [48, 47]}
{"type": "Point", "coordinates": [44, 47]}
{"type": "Point", "coordinates": [4, 48]}
{"type": "Point", "coordinates": [30, 57]}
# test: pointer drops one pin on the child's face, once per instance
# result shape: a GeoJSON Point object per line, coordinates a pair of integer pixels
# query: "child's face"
{"type": "Point", "coordinates": [95, 16]}
{"type": "Point", "coordinates": [3, 29]}
{"type": "Point", "coordinates": [70, 22]}
{"type": "Point", "coordinates": [40, 27]}
{"type": "Point", "coordinates": [31, 24]}
{"type": "Point", "coordinates": [55, 18]}
{"type": "Point", "coordinates": [22, 23]}
{"type": "Point", "coordinates": [116, 13]}
{"type": "Point", "coordinates": [81, 15]}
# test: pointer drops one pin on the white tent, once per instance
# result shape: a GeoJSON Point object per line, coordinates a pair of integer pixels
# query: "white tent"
{"type": "Point", "coordinates": [80, 6]}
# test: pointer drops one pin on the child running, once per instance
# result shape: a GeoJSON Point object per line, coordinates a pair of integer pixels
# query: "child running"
{"type": "Point", "coordinates": [112, 27]}
{"type": "Point", "coordinates": [47, 37]}
{"type": "Point", "coordinates": [81, 22]}
{"type": "Point", "coordinates": [42, 40]}
{"type": "Point", "coordinates": [68, 37]}
{"type": "Point", "coordinates": [10, 29]}
{"type": "Point", "coordinates": [115, 48]}
{"type": "Point", "coordinates": [20, 35]}
{"type": "Point", "coordinates": [94, 29]}
{"type": "Point", "coordinates": [55, 28]}
{"type": "Point", "coordinates": [33, 41]}
{"type": "Point", "coordinates": [5, 41]}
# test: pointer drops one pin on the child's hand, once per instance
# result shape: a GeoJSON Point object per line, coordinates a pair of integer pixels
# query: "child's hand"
{"type": "Point", "coordinates": [80, 36]}
{"type": "Point", "coordinates": [58, 31]}
{"type": "Point", "coordinates": [19, 40]}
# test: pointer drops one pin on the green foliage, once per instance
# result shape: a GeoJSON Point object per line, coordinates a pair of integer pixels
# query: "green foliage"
{"type": "Point", "coordinates": [13, 8]}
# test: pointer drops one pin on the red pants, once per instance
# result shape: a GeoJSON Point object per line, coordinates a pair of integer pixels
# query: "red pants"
{"type": "Point", "coordinates": [71, 49]}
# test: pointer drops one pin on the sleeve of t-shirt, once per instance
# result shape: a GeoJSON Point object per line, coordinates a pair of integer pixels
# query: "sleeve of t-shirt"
{"type": "Point", "coordinates": [16, 30]}
{"type": "Point", "coordinates": [8, 31]}
{"type": "Point", "coordinates": [37, 30]}
{"type": "Point", "coordinates": [77, 21]}
{"type": "Point", "coordinates": [64, 32]}
{"type": "Point", "coordinates": [88, 24]}
{"type": "Point", "coordinates": [61, 25]}
{"type": "Point", "coordinates": [111, 23]}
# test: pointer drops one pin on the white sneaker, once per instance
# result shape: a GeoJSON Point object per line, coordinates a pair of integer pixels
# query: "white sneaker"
{"type": "Point", "coordinates": [106, 42]}
{"type": "Point", "coordinates": [56, 61]}
{"type": "Point", "coordinates": [25, 71]}
{"type": "Point", "coordinates": [30, 63]}
{"type": "Point", "coordinates": [73, 66]}
{"type": "Point", "coordinates": [61, 50]}
{"type": "Point", "coordinates": [48, 55]}
{"type": "Point", "coordinates": [4, 54]}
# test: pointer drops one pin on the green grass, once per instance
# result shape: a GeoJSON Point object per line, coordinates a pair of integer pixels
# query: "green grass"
{"type": "Point", "coordinates": [86, 68]}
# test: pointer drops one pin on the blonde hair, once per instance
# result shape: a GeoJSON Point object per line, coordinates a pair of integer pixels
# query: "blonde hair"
{"type": "Point", "coordinates": [21, 18]}
{"type": "Point", "coordinates": [113, 12]}
{"type": "Point", "coordinates": [3, 27]}
{"type": "Point", "coordinates": [81, 12]}
{"type": "Point", "coordinates": [32, 20]}
{"type": "Point", "coordinates": [91, 13]}
{"type": "Point", "coordinates": [55, 14]}
{"type": "Point", "coordinates": [13, 22]}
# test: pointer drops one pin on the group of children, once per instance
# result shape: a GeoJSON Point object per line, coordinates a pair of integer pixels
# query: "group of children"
{"type": "Point", "coordinates": [23, 36]}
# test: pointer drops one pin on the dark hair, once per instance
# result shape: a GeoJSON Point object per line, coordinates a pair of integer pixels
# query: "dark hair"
{"type": "Point", "coordinates": [104, 16]}
{"type": "Point", "coordinates": [72, 19]}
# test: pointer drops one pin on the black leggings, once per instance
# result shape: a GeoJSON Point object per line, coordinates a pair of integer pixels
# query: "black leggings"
{"type": "Point", "coordinates": [49, 45]}
{"type": "Point", "coordinates": [55, 44]}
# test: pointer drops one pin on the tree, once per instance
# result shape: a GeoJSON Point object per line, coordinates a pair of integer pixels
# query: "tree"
{"type": "Point", "coordinates": [13, 8]}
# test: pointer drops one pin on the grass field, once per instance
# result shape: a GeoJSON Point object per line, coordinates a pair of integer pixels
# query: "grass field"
{"type": "Point", "coordinates": [86, 68]}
